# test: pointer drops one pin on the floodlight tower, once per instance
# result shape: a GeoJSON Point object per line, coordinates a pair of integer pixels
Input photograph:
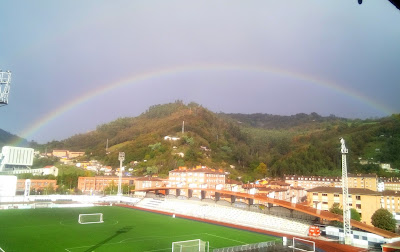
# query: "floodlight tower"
{"type": "Point", "coordinates": [121, 158]}
{"type": "Point", "coordinates": [5, 80]}
{"type": "Point", "coordinates": [345, 194]}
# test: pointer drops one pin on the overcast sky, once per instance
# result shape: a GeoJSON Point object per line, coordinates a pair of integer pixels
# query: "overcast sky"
{"type": "Point", "coordinates": [78, 64]}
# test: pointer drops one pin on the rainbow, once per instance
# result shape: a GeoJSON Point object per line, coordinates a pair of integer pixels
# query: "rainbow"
{"type": "Point", "coordinates": [165, 72]}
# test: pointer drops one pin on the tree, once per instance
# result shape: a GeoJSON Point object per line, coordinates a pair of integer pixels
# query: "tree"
{"type": "Point", "coordinates": [355, 215]}
{"type": "Point", "coordinates": [152, 170]}
{"type": "Point", "coordinates": [336, 209]}
{"type": "Point", "coordinates": [50, 189]}
{"type": "Point", "coordinates": [382, 218]}
{"type": "Point", "coordinates": [126, 188]}
{"type": "Point", "coordinates": [111, 189]}
{"type": "Point", "coordinates": [261, 170]}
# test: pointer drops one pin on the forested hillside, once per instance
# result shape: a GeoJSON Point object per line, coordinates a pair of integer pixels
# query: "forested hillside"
{"type": "Point", "coordinates": [247, 146]}
{"type": "Point", "coordinates": [7, 138]}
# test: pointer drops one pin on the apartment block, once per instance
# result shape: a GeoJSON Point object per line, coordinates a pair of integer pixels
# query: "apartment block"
{"type": "Point", "coordinates": [365, 201]}
{"type": "Point", "coordinates": [367, 181]}
{"type": "Point", "coordinates": [199, 177]}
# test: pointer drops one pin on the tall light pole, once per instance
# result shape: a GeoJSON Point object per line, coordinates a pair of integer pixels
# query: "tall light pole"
{"type": "Point", "coordinates": [121, 158]}
{"type": "Point", "coordinates": [346, 208]}
{"type": "Point", "coordinates": [5, 80]}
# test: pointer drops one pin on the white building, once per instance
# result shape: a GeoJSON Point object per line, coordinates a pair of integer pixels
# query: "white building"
{"type": "Point", "coordinates": [8, 185]}
{"type": "Point", "coordinates": [14, 158]}
{"type": "Point", "coordinates": [169, 138]}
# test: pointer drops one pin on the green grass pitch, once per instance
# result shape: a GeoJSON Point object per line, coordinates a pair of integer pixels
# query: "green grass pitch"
{"type": "Point", "coordinates": [123, 229]}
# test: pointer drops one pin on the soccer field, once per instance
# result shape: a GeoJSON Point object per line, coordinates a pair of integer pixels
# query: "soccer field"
{"type": "Point", "coordinates": [124, 229]}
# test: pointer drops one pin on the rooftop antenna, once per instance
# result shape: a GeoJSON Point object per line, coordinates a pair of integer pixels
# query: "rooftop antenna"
{"type": "Point", "coordinates": [5, 80]}
{"type": "Point", "coordinates": [345, 188]}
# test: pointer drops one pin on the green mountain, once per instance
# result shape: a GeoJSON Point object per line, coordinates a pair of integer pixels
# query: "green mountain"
{"type": "Point", "coordinates": [7, 138]}
{"type": "Point", "coordinates": [247, 146]}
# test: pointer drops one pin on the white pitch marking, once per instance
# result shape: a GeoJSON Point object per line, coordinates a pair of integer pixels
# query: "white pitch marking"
{"type": "Point", "coordinates": [226, 238]}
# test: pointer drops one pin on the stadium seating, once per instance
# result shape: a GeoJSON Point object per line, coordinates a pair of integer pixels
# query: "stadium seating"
{"type": "Point", "coordinates": [216, 212]}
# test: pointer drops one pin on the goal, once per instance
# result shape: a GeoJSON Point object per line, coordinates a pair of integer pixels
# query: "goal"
{"type": "Point", "coordinates": [90, 218]}
{"type": "Point", "coordinates": [302, 245]}
{"type": "Point", "coordinates": [190, 246]}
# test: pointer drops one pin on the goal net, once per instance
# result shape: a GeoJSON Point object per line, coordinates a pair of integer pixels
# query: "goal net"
{"type": "Point", "coordinates": [302, 245]}
{"type": "Point", "coordinates": [190, 246]}
{"type": "Point", "coordinates": [90, 218]}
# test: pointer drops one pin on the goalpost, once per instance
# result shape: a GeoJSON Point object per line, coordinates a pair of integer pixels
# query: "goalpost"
{"type": "Point", "coordinates": [302, 245]}
{"type": "Point", "coordinates": [190, 246]}
{"type": "Point", "coordinates": [90, 218]}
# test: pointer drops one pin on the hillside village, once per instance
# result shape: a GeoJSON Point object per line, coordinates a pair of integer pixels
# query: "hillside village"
{"type": "Point", "coordinates": [368, 191]}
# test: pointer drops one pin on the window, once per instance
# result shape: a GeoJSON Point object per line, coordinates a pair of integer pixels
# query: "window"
{"type": "Point", "coordinates": [315, 194]}
{"type": "Point", "coordinates": [324, 194]}
{"type": "Point", "coordinates": [358, 206]}
{"type": "Point", "coordinates": [336, 195]}
{"type": "Point", "coordinates": [358, 197]}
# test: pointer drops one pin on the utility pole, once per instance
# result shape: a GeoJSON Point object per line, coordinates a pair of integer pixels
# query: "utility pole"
{"type": "Point", "coordinates": [346, 209]}
{"type": "Point", "coordinates": [121, 159]}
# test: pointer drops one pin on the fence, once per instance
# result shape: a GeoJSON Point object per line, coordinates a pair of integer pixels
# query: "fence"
{"type": "Point", "coordinates": [247, 247]}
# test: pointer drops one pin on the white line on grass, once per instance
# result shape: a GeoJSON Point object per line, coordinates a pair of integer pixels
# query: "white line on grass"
{"type": "Point", "coordinates": [146, 239]}
{"type": "Point", "coordinates": [159, 237]}
{"type": "Point", "coordinates": [226, 238]}
{"type": "Point", "coordinates": [168, 249]}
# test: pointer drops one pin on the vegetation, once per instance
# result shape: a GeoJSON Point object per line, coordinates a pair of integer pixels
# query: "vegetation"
{"type": "Point", "coordinates": [240, 144]}
{"type": "Point", "coordinates": [7, 138]}
{"type": "Point", "coordinates": [336, 209]}
{"type": "Point", "coordinates": [383, 219]}
{"type": "Point", "coordinates": [42, 162]}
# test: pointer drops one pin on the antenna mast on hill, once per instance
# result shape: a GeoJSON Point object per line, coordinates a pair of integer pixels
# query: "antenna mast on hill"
{"type": "Point", "coordinates": [5, 80]}
{"type": "Point", "coordinates": [345, 194]}
{"type": "Point", "coordinates": [183, 127]}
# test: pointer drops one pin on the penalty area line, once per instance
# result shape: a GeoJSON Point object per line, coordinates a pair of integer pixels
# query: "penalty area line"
{"type": "Point", "coordinates": [226, 238]}
{"type": "Point", "coordinates": [158, 237]}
